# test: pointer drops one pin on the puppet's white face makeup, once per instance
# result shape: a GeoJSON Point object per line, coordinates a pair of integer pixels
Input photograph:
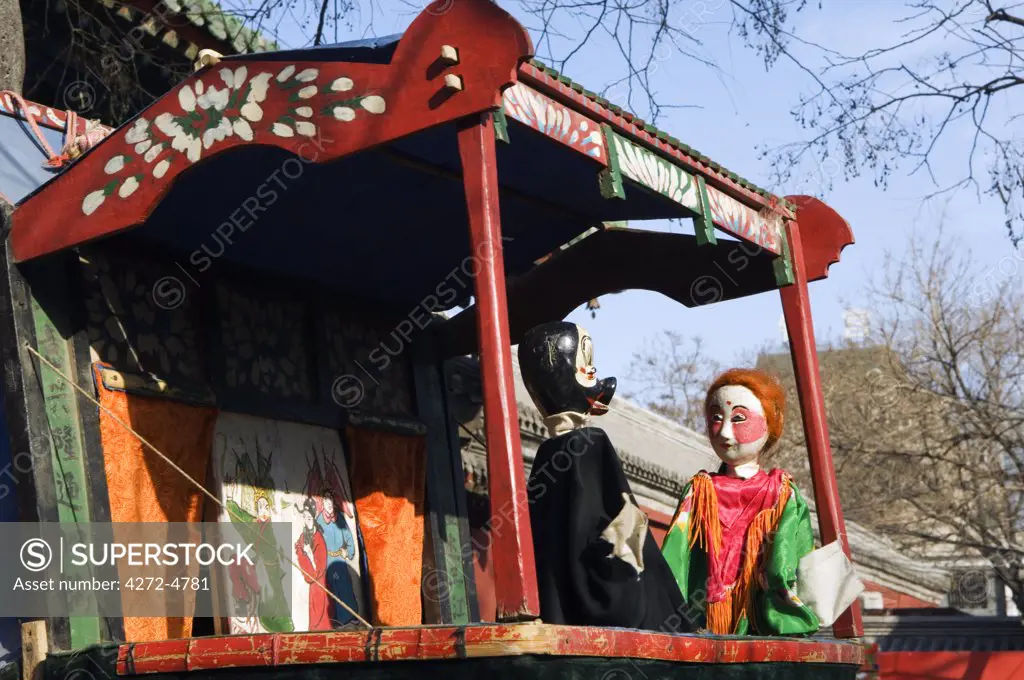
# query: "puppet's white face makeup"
{"type": "Point", "coordinates": [586, 374]}
{"type": "Point", "coordinates": [737, 425]}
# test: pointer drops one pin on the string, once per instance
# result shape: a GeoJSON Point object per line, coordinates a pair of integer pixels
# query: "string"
{"type": "Point", "coordinates": [52, 157]}
{"type": "Point", "coordinates": [184, 474]}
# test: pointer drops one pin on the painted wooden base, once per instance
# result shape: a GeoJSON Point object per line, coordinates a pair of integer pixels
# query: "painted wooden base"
{"type": "Point", "coordinates": [494, 663]}
{"type": "Point", "coordinates": [430, 645]}
{"type": "Point", "coordinates": [552, 668]}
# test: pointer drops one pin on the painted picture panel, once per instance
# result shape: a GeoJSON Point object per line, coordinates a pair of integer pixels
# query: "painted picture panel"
{"type": "Point", "coordinates": [268, 471]}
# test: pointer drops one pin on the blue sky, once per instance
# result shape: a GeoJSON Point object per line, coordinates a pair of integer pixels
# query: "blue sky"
{"type": "Point", "coordinates": [731, 111]}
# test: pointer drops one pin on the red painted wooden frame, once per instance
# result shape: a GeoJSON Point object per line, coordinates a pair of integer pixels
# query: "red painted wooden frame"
{"type": "Point", "coordinates": [828, 235]}
{"type": "Point", "coordinates": [576, 121]}
{"type": "Point", "coordinates": [45, 116]}
{"type": "Point", "coordinates": [448, 642]}
{"type": "Point", "coordinates": [321, 109]}
{"type": "Point", "coordinates": [363, 105]}
{"type": "Point", "coordinates": [823, 235]}
{"type": "Point", "coordinates": [515, 575]}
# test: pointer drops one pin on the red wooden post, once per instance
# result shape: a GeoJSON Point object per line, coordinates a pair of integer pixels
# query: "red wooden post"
{"type": "Point", "coordinates": [515, 576]}
{"type": "Point", "coordinates": [796, 306]}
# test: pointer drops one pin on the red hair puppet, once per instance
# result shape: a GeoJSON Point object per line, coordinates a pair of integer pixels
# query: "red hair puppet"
{"type": "Point", "coordinates": [739, 533]}
{"type": "Point", "coordinates": [767, 390]}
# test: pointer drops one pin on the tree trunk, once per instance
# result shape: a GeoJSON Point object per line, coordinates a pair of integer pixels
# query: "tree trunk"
{"type": "Point", "coordinates": [12, 46]}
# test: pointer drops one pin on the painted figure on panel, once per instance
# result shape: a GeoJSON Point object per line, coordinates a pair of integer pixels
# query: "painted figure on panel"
{"type": "Point", "coordinates": [741, 535]}
{"type": "Point", "coordinates": [597, 563]}
{"type": "Point", "coordinates": [251, 514]}
{"type": "Point", "coordinates": [311, 554]}
{"type": "Point", "coordinates": [338, 537]}
{"type": "Point", "coordinates": [289, 510]}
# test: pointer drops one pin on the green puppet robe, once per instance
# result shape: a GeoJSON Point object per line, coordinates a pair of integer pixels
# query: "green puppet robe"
{"type": "Point", "coordinates": [777, 609]}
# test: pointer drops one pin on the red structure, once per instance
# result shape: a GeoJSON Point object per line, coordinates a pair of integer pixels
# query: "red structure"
{"type": "Point", "coordinates": [515, 578]}
{"type": "Point", "coordinates": [410, 146]}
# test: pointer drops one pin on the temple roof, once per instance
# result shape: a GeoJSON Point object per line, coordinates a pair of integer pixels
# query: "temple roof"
{"type": "Point", "coordinates": [205, 15]}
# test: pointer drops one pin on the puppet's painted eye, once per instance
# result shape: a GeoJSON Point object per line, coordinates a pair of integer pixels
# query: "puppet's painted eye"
{"type": "Point", "coordinates": [717, 417]}
{"type": "Point", "coordinates": [738, 418]}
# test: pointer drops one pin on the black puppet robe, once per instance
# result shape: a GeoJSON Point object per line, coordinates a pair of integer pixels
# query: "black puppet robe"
{"type": "Point", "coordinates": [575, 491]}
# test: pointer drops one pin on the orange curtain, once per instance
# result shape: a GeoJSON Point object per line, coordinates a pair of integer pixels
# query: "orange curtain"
{"type": "Point", "coordinates": [144, 488]}
{"type": "Point", "coordinates": [388, 475]}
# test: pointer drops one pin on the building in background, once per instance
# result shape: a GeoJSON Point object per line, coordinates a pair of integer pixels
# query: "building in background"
{"type": "Point", "coordinates": [862, 390]}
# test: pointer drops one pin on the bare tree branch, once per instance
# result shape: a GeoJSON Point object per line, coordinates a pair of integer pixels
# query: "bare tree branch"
{"type": "Point", "coordinates": [318, 37]}
{"type": "Point", "coordinates": [891, 107]}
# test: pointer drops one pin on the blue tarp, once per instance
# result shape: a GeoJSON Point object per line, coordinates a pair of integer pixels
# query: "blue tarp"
{"type": "Point", "coordinates": [22, 158]}
{"type": "Point", "coordinates": [366, 51]}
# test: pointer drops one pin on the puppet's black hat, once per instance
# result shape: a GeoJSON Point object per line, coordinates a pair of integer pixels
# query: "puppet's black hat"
{"type": "Point", "coordinates": [556, 360]}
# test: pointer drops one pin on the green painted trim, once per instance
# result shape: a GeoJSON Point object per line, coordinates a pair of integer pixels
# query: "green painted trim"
{"type": "Point", "coordinates": [463, 557]}
{"type": "Point", "coordinates": [783, 264]}
{"type": "Point", "coordinates": [67, 453]}
{"type": "Point", "coordinates": [448, 578]}
{"type": "Point", "coordinates": [703, 226]}
{"type": "Point", "coordinates": [654, 173]}
{"type": "Point", "coordinates": [611, 177]}
{"type": "Point", "coordinates": [501, 126]}
{"type": "Point", "coordinates": [654, 131]}
{"type": "Point", "coordinates": [456, 586]}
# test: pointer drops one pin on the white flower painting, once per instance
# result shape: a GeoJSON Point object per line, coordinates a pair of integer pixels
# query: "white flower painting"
{"type": "Point", "coordinates": [225, 104]}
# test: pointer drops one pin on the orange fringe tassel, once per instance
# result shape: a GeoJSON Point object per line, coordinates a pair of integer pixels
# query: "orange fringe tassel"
{"type": "Point", "coordinates": [719, 616]}
{"type": "Point", "coordinates": [705, 530]}
{"type": "Point", "coordinates": [723, 618]}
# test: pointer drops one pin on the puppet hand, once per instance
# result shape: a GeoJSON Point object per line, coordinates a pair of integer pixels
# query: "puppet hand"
{"type": "Point", "coordinates": [627, 533]}
{"type": "Point", "coordinates": [827, 583]}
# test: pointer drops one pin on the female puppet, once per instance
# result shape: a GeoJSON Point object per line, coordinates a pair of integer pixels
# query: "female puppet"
{"type": "Point", "coordinates": [739, 534]}
{"type": "Point", "coordinates": [597, 563]}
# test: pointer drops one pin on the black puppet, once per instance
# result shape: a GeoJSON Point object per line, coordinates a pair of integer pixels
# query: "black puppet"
{"type": "Point", "coordinates": [597, 563]}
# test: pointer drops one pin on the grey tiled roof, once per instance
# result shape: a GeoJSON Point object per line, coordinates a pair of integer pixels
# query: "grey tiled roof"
{"type": "Point", "coordinates": [945, 633]}
{"type": "Point", "coordinates": [222, 25]}
{"type": "Point", "coordinates": [205, 14]}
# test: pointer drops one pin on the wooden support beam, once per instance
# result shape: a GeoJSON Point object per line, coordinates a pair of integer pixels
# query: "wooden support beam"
{"type": "Point", "coordinates": [35, 645]}
{"type": "Point", "coordinates": [512, 547]}
{"type": "Point", "coordinates": [796, 307]}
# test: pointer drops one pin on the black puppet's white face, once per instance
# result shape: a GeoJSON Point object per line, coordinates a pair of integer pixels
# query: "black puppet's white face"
{"type": "Point", "coordinates": [598, 392]}
{"type": "Point", "coordinates": [586, 374]}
